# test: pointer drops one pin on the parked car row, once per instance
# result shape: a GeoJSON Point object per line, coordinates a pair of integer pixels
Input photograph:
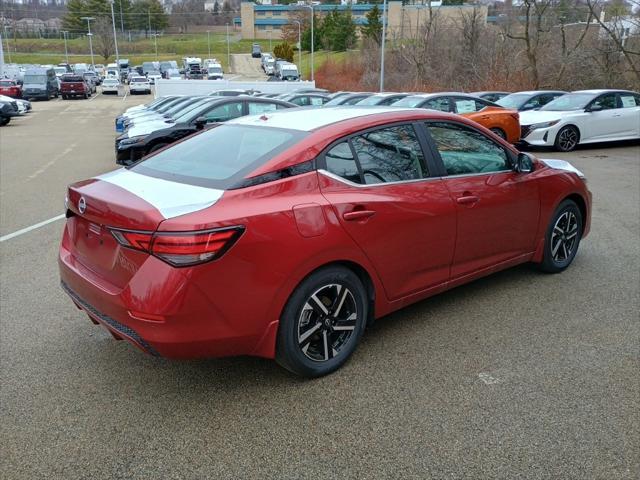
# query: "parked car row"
{"type": "Point", "coordinates": [12, 107]}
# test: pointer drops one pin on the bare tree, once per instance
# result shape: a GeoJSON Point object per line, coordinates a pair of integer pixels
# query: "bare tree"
{"type": "Point", "coordinates": [103, 37]}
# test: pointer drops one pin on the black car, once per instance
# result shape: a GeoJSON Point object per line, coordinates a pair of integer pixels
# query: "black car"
{"type": "Point", "coordinates": [490, 95]}
{"type": "Point", "coordinates": [305, 99]}
{"type": "Point", "coordinates": [7, 110]}
{"type": "Point", "coordinates": [348, 99]}
{"type": "Point", "coordinates": [130, 149]}
{"type": "Point", "coordinates": [533, 100]}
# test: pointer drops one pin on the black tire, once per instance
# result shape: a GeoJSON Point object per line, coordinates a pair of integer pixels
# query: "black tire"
{"type": "Point", "coordinates": [327, 344]}
{"type": "Point", "coordinates": [499, 132]}
{"type": "Point", "coordinates": [567, 139]}
{"type": "Point", "coordinates": [4, 121]}
{"type": "Point", "coordinates": [85, 96]}
{"type": "Point", "coordinates": [64, 97]}
{"type": "Point", "coordinates": [562, 239]}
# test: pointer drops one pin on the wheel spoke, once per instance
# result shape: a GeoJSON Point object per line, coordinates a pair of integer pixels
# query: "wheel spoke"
{"type": "Point", "coordinates": [318, 306]}
{"type": "Point", "coordinates": [564, 249]}
{"type": "Point", "coordinates": [302, 339]}
{"type": "Point", "coordinates": [343, 297]}
{"type": "Point", "coordinates": [328, 352]}
{"type": "Point", "coordinates": [554, 250]}
{"type": "Point", "coordinates": [346, 325]}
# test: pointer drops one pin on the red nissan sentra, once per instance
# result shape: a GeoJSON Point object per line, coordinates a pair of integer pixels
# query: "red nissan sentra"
{"type": "Point", "coordinates": [283, 235]}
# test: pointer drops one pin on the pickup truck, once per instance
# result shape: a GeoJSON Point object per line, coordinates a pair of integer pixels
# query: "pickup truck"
{"type": "Point", "coordinates": [10, 88]}
{"type": "Point", "coordinates": [72, 85]}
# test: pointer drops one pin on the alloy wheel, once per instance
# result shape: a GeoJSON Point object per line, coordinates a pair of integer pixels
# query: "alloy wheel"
{"type": "Point", "coordinates": [564, 237]}
{"type": "Point", "coordinates": [567, 139]}
{"type": "Point", "coordinates": [327, 322]}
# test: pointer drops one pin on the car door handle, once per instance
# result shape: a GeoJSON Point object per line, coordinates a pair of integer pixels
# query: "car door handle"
{"type": "Point", "coordinates": [467, 199]}
{"type": "Point", "coordinates": [358, 215]}
{"type": "Point", "coordinates": [617, 114]}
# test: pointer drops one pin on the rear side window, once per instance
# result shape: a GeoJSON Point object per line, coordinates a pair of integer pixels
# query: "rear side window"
{"type": "Point", "coordinates": [441, 104]}
{"type": "Point", "coordinates": [466, 151]}
{"type": "Point", "coordinates": [629, 100]}
{"type": "Point", "coordinates": [218, 157]}
{"type": "Point", "coordinates": [391, 154]}
{"type": "Point", "coordinates": [224, 112]}
{"type": "Point", "coordinates": [256, 108]}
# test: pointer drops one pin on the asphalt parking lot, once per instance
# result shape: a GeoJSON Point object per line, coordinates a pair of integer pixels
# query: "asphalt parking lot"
{"type": "Point", "coordinates": [518, 375]}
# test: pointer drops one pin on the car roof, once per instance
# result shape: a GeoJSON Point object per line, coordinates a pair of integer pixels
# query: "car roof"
{"type": "Point", "coordinates": [299, 118]}
{"type": "Point", "coordinates": [536, 92]}
{"type": "Point", "coordinates": [605, 90]}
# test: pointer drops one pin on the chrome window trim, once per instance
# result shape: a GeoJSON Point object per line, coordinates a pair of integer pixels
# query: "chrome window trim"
{"type": "Point", "coordinates": [352, 184]}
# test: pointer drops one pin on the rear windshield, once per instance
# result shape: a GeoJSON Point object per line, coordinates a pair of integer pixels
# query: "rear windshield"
{"type": "Point", "coordinates": [6, 83]}
{"type": "Point", "coordinates": [409, 102]}
{"type": "Point", "coordinates": [139, 80]}
{"type": "Point", "coordinates": [71, 78]}
{"type": "Point", "coordinates": [35, 79]}
{"type": "Point", "coordinates": [220, 156]}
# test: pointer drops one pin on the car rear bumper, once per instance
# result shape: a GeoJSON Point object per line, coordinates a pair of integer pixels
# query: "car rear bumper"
{"type": "Point", "coordinates": [178, 320]}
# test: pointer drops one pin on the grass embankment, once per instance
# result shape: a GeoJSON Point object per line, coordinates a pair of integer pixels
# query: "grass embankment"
{"type": "Point", "coordinates": [170, 47]}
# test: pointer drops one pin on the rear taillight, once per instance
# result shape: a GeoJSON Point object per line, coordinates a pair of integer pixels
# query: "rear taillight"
{"type": "Point", "coordinates": [181, 249]}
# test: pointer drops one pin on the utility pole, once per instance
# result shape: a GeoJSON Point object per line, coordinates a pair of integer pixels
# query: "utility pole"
{"type": "Point", "coordinates": [6, 37]}
{"type": "Point", "coordinates": [228, 50]}
{"type": "Point", "coordinates": [115, 36]}
{"type": "Point", "coordinates": [89, 34]}
{"type": "Point", "coordinates": [66, 52]}
{"type": "Point", "coordinates": [270, 32]}
{"type": "Point", "coordinates": [121, 18]}
{"type": "Point", "coordinates": [310, 7]}
{"type": "Point", "coordinates": [299, 44]}
{"type": "Point", "coordinates": [149, 16]}
{"type": "Point", "coordinates": [384, 37]}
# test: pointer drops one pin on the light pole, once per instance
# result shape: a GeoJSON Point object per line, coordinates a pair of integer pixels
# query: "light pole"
{"type": "Point", "coordinates": [115, 36]}
{"type": "Point", "coordinates": [155, 42]}
{"type": "Point", "coordinates": [209, 42]}
{"type": "Point", "coordinates": [89, 34]}
{"type": "Point", "coordinates": [66, 52]}
{"type": "Point", "coordinates": [228, 50]}
{"type": "Point", "coordinates": [299, 44]}
{"type": "Point", "coordinates": [6, 37]}
{"type": "Point", "coordinates": [384, 37]}
{"type": "Point", "coordinates": [270, 32]}
{"type": "Point", "coordinates": [121, 18]}
{"type": "Point", "coordinates": [310, 7]}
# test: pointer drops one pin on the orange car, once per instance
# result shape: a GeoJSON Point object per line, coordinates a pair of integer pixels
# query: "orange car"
{"type": "Point", "coordinates": [501, 121]}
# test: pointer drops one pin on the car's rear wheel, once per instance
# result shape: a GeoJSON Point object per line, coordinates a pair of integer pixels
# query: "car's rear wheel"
{"type": "Point", "coordinates": [499, 132]}
{"type": "Point", "coordinates": [567, 138]}
{"type": "Point", "coordinates": [322, 322]}
{"type": "Point", "coordinates": [562, 238]}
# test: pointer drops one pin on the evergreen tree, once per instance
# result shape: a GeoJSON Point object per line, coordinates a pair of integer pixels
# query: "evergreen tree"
{"type": "Point", "coordinates": [373, 29]}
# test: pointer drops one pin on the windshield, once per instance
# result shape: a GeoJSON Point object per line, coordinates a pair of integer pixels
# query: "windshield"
{"type": "Point", "coordinates": [192, 113]}
{"type": "Point", "coordinates": [409, 102]}
{"type": "Point", "coordinates": [60, 70]}
{"type": "Point", "coordinates": [220, 156]}
{"type": "Point", "coordinates": [215, 70]}
{"type": "Point", "coordinates": [515, 100]}
{"type": "Point", "coordinates": [335, 101]}
{"type": "Point", "coordinates": [35, 78]}
{"type": "Point", "coordinates": [184, 107]}
{"type": "Point", "coordinates": [110, 82]}
{"type": "Point", "coordinates": [373, 100]}
{"type": "Point", "coordinates": [570, 101]}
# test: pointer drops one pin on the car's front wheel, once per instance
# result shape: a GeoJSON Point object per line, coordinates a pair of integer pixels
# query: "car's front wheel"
{"type": "Point", "coordinates": [567, 138]}
{"type": "Point", "coordinates": [562, 238]}
{"type": "Point", "coordinates": [322, 322]}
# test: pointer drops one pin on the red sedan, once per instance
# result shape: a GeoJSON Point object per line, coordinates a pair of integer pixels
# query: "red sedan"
{"type": "Point", "coordinates": [10, 88]}
{"type": "Point", "coordinates": [283, 235]}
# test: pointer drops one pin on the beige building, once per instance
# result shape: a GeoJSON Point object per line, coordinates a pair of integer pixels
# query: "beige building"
{"type": "Point", "coordinates": [266, 21]}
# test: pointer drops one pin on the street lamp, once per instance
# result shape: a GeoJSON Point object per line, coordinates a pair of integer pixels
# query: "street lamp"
{"type": "Point", "coordinates": [299, 44]}
{"type": "Point", "coordinates": [115, 37]}
{"type": "Point", "coordinates": [155, 42]}
{"type": "Point", "coordinates": [384, 37]}
{"type": "Point", "coordinates": [66, 52]}
{"type": "Point", "coordinates": [310, 7]}
{"type": "Point", "coordinates": [209, 42]}
{"type": "Point", "coordinates": [89, 34]}
{"type": "Point", "coordinates": [228, 50]}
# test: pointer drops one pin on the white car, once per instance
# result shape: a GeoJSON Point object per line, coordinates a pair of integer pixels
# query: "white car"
{"type": "Point", "coordinates": [585, 116]}
{"type": "Point", "coordinates": [110, 85]}
{"type": "Point", "coordinates": [154, 76]}
{"type": "Point", "coordinates": [24, 106]}
{"type": "Point", "coordinates": [139, 85]}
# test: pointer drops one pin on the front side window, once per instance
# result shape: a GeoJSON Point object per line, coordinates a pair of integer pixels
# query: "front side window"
{"type": "Point", "coordinates": [224, 112]}
{"type": "Point", "coordinates": [441, 104]}
{"type": "Point", "coordinates": [391, 154]}
{"type": "Point", "coordinates": [606, 102]}
{"type": "Point", "coordinates": [256, 108]}
{"type": "Point", "coordinates": [466, 151]}
{"type": "Point", "coordinates": [317, 100]}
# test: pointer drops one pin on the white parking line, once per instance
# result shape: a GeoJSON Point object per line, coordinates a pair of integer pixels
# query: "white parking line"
{"type": "Point", "coordinates": [32, 227]}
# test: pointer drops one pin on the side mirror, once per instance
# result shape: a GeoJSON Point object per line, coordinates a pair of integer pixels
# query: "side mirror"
{"type": "Point", "coordinates": [524, 163]}
{"type": "Point", "coordinates": [594, 108]}
{"type": "Point", "coordinates": [200, 122]}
